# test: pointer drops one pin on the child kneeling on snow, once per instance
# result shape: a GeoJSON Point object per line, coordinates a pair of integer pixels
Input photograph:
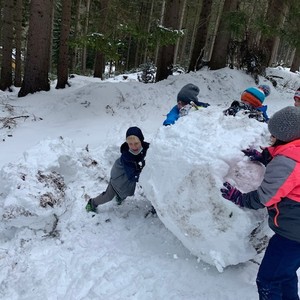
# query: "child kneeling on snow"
{"type": "Point", "coordinates": [186, 100]}
{"type": "Point", "coordinates": [125, 171]}
{"type": "Point", "coordinates": [279, 192]}
{"type": "Point", "coordinates": [251, 103]}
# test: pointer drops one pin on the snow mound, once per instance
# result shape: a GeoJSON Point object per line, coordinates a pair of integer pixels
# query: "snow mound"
{"type": "Point", "coordinates": [194, 158]}
{"type": "Point", "coordinates": [35, 191]}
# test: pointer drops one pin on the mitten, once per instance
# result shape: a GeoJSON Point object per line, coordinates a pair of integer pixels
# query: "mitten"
{"type": "Point", "coordinates": [232, 194]}
{"type": "Point", "coordinates": [253, 154]}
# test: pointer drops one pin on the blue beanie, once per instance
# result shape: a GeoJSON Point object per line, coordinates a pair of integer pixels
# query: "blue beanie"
{"type": "Point", "coordinates": [189, 93]}
{"type": "Point", "coordinates": [136, 132]}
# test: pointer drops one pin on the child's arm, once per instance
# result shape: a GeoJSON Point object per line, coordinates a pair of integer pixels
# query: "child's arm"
{"type": "Point", "coordinates": [132, 168]}
{"type": "Point", "coordinates": [199, 104]}
{"type": "Point", "coordinates": [233, 109]}
{"type": "Point", "coordinates": [172, 116]}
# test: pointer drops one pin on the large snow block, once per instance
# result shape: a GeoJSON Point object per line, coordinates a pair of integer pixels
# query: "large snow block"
{"type": "Point", "coordinates": [186, 166]}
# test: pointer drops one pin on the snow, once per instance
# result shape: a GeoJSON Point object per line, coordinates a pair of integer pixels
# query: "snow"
{"type": "Point", "coordinates": [58, 152]}
{"type": "Point", "coordinates": [199, 161]}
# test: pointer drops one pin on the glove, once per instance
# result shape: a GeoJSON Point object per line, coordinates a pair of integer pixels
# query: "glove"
{"type": "Point", "coordinates": [232, 194]}
{"type": "Point", "coordinates": [203, 104]}
{"type": "Point", "coordinates": [253, 154]}
{"type": "Point", "coordinates": [233, 109]}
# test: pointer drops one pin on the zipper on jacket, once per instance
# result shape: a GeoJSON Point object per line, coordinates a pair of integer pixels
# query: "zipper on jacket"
{"type": "Point", "coordinates": [275, 219]}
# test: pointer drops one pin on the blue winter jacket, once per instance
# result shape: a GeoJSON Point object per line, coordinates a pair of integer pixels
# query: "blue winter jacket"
{"type": "Point", "coordinates": [172, 116]}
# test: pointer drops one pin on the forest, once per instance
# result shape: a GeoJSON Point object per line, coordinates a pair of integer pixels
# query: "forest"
{"type": "Point", "coordinates": [44, 40]}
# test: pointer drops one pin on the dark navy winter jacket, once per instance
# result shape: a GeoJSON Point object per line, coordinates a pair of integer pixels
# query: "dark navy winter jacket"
{"type": "Point", "coordinates": [259, 113]}
{"type": "Point", "coordinates": [133, 164]}
{"type": "Point", "coordinates": [126, 170]}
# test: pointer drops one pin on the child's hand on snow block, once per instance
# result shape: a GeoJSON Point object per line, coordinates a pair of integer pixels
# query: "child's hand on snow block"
{"type": "Point", "coordinates": [232, 194]}
{"type": "Point", "coordinates": [253, 154]}
{"type": "Point", "coordinates": [203, 104]}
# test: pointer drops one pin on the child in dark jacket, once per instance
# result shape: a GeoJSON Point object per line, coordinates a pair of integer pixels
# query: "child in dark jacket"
{"type": "Point", "coordinates": [125, 171]}
{"type": "Point", "coordinates": [251, 103]}
{"type": "Point", "coordinates": [279, 192]}
{"type": "Point", "coordinates": [186, 100]}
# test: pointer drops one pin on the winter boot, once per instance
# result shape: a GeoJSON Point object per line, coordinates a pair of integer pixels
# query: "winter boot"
{"type": "Point", "coordinates": [90, 207]}
{"type": "Point", "coordinates": [151, 212]}
{"type": "Point", "coordinates": [119, 200]}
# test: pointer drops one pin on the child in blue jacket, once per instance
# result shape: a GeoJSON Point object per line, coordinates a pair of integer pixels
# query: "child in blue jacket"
{"type": "Point", "coordinates": [186, 99]}
{"type": "Point", "coordinates": [126, 170]}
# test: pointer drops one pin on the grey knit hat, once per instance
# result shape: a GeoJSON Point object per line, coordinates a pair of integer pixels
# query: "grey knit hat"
{"type": "Point", "coordinates": [188, 93]}
{"type": "Point", "coordinates": [284, 125]}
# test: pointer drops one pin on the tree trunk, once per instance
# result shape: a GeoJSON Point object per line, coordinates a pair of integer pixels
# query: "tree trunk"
{"type": "Point", "coordinates": [184, 54]}
{"type": "Point", "coordinates": [38, 48]}
{"type": "Point", "coordinates": [86, 25]}
{"type": "Point", "coordinates": [296, 61]}
{"type": "Point", "coordinates": [274, 18]}
{"type": "Point", "coordinates": [201, 35]}
{"type": "Point", "coordinates": [7, 44]}
{"type": "Point", "coordinates": [74, 54]}
{"type": "Point", "coordinates": [18, 43]}
{"type": "Point", "coordinates": [161, 20]}
{"type": "Point", "coordinates": [99, 65]}
{"type": "Point", "coordinates": [166, 53]}
{"type": "Point", "coordinates": [148, 30]}
{"type": "Point", "coordinates": [180, 26]}
{"type": "Point", "coordinates": [219, 53]}
{"type": "Point", "coordinates": [63, 60]}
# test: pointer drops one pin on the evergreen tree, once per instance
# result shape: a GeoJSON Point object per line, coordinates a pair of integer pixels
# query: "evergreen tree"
{"type": "Point", "coordinates": [38, 48]}
{"type": "Point", "coordinates": [7, 44]}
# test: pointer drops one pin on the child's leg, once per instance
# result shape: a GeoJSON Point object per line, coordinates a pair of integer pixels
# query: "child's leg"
{"type": "Point", "coordinates": [277, 277]}
{"type": "Point", "coordinates": [290, 287]}
{"type": "Point", "coordinates": [104, 197]}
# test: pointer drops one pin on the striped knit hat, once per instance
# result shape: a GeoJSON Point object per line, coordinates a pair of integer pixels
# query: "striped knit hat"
{"type": "Point", "coordinates": [254, 96]}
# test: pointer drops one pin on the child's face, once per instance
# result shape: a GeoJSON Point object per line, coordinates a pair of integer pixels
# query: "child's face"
{"type": "Point", "coordinates": [180, 104]}
{"type": "Point", "coordinates": [134, 143]}
{"type": "Point", "coordinates": [297, 102]}
{"type": "Point", "coordinates": [272, 140]}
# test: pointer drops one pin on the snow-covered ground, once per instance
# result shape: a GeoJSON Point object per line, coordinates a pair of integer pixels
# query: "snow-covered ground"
{"type": "Point", "coordinates": [57, 149]}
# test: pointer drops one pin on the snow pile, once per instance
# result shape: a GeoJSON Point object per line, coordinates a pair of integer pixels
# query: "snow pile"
{"type": "Point", "coordinates": [36, 188]}
{"type": "Point", "coordinates": [187, 164]}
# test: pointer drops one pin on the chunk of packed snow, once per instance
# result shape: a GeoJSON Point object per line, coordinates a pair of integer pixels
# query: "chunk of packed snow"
{"type": "Point", "coordinates": [192, 155]}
